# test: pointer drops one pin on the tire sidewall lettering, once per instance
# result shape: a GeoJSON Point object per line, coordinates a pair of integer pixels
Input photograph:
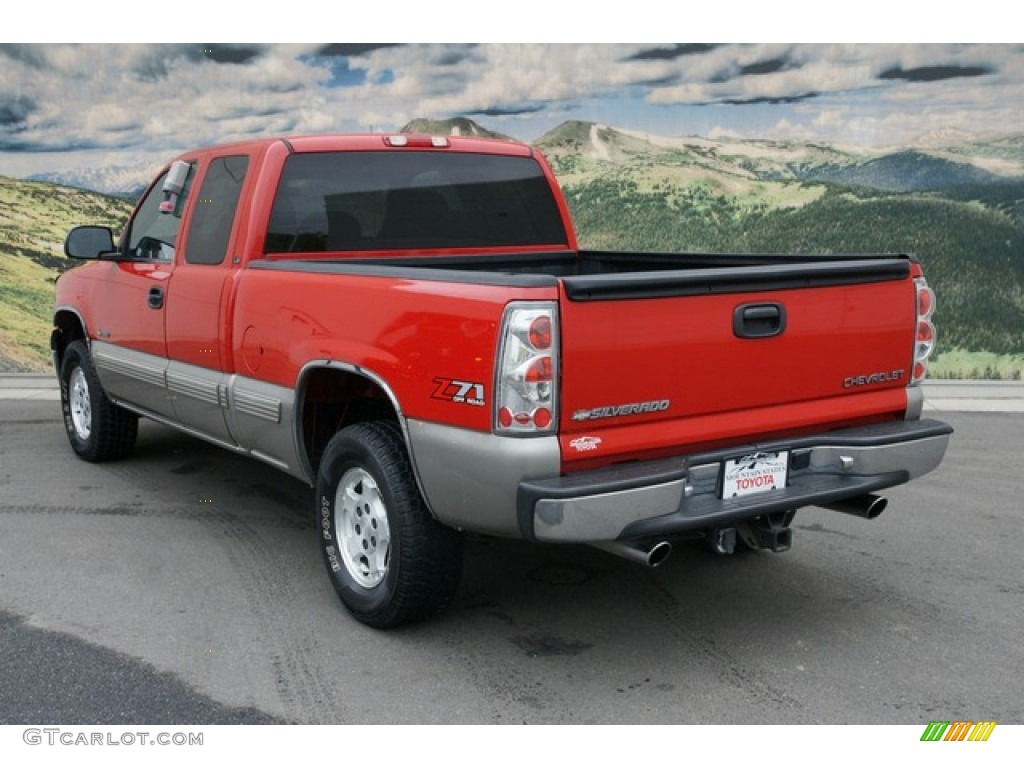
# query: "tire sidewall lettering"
{"type": "Point", "coordinates": [360, 596]}
{"type": "Point", "coordinates": [424, 558]}
{"type": "Point", "coordinates": [71, 363]}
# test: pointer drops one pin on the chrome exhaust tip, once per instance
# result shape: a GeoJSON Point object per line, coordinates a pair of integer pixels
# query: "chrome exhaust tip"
{"type": "Point", "coordinates": [651, 555]}
{"type": "Point", "coordinates": [868, 506]}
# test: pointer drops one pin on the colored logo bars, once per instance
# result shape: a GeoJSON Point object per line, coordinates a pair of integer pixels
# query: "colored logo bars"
{"type": "Point", "coordinates": [958, 730]}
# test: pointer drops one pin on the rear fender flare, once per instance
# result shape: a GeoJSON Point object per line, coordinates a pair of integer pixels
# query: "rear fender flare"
{"type": "Point", "coordinates": [378, 381]}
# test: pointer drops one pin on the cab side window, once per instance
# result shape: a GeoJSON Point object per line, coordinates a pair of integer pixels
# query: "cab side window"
{"type": "Point", "coordinates": [153, 233]}
{"type": "Point", "coordinates": [214, 210]}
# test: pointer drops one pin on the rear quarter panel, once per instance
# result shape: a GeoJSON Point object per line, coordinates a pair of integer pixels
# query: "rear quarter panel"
{"type": "Point", "coordinates": [418, 336]}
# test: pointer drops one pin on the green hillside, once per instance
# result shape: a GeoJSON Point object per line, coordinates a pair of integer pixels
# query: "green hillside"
{"type": "Point", "coordinates": [906, 172]}
{"type": "Point", "coordinates": [34, 218]}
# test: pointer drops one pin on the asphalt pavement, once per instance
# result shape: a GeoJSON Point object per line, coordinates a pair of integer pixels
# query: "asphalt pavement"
{"type": "Point", "coordinates": [184, 585]}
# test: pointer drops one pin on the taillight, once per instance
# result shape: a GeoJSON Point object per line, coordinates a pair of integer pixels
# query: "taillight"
{"type": "Point", "coordinates": [526, 385]}
{"type": "Point", "coordinates": [924, 335]}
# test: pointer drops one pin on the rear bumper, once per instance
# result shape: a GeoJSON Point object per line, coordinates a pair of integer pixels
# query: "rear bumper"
{"type": "Point", "coordinates": [672, 496]}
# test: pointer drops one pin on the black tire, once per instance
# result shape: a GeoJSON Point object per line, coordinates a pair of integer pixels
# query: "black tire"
{"type": "Point", "coordinates": [389, 560]}
{"type": "Point", "coordinates": [98, 430]}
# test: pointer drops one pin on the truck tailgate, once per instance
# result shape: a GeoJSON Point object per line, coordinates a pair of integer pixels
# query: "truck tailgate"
{"type": "Point", "coordinates": [662, 363]}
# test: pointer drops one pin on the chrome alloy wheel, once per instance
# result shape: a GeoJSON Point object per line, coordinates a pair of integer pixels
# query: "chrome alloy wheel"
{"type": "Point", "coordinates": [361, 528]}
{"type": "Point", "coordinates": [81, 404]}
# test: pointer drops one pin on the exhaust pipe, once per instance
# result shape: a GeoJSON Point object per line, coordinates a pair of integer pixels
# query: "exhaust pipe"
{"type": "Point", "coordinates": [868, 506]}
{"type": "Point", "coordinates": [650, 555]}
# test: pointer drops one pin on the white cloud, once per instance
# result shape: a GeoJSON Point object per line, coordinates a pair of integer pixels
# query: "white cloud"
{"type": "Point", "coordinates": [155, 98]}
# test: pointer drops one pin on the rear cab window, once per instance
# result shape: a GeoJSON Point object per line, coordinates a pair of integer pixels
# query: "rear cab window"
{"type": "Point", "coordinates": [368, 201]}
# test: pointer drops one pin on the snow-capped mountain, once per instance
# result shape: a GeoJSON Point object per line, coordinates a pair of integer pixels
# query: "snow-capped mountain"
{"type": "Point", "coordinates": [118, 180]}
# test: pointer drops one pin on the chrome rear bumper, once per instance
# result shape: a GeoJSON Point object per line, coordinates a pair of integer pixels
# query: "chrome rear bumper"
{"type": "Point", "coordinates": [672, 496]}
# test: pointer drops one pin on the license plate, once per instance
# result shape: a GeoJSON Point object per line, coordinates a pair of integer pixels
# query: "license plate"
{"type": "Point", "coordinates": [756, 473]}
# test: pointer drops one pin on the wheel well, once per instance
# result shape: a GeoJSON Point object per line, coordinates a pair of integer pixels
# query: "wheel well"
{"type": "Point", "coordinates": [332, 399]}
{"type": "Point", "coordinates": [67, 327]}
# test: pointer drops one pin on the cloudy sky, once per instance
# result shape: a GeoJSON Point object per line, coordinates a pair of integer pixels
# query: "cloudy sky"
{"type": "Point", "coordinates": [65, 106]}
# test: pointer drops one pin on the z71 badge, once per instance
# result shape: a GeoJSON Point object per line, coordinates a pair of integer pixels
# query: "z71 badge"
{"type": "Point", "coordinates": [456, 391]}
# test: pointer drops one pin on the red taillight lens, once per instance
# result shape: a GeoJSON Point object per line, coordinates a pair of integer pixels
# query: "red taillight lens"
{"type": "Point", "coordinates": [539, 370]}
{"type": "Point", "coordinates": [505, 418]}
{"type": "Point", "coordinates": [540, 332]}
{"type": "Point", "coordinates": [925, 333]}
{"type": "Point", "coordinates": [542, 418]}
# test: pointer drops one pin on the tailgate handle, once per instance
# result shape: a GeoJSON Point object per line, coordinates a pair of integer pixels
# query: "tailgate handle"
{"type": "Point", "coordinates": [758, 321]}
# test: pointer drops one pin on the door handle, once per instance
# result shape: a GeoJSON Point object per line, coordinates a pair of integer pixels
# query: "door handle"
{"type": "Point", "coordinates": [758, 321]}
{"type": "Point", "coordinates": [156, 297]}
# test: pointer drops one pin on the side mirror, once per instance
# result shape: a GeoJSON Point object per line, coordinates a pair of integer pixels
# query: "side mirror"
{"type": "Point", "coordinates": [88, 242]}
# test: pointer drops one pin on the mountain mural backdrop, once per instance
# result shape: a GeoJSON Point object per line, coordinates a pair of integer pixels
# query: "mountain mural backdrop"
{"type": "Point", "coordinates": [955, 200]}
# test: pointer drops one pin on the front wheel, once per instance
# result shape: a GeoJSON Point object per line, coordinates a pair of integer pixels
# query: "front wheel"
{"type": "Point", "coordinates": [98, 429]}
{"type": "Point", "coordinates": [390, 561]}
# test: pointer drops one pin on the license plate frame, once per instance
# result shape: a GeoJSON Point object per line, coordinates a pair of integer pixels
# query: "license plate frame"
{"type": "Point", "coordinates": [753, 473]}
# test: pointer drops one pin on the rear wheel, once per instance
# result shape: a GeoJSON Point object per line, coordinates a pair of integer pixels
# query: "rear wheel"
{"type": "Point", "coordinates": [97, 428]}
{"type": "Point", "coordinates": [389, 560]}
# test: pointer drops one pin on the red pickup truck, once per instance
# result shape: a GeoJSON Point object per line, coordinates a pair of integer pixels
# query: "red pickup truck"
{"type": "Point", "coordinates": [407, 323]}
